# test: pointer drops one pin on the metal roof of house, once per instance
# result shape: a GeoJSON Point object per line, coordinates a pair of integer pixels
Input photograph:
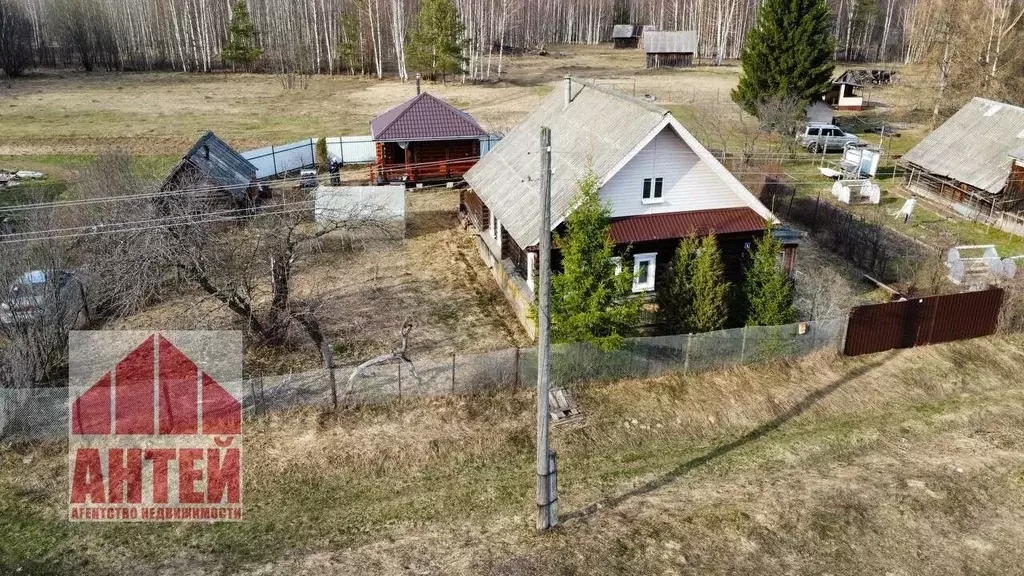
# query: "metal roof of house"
{"type": "Point", "coordinates": [219, 162]}
{"type": "Point", "coordinates": [627, 31]}
{"type": "Point", "coordinates": [652, 227]}
{"type": "Point", "coordinates": [424, 117]}
{"type": "Point", "coordinates": [670, 42]}
{"type": "Point", "coordinates": [974, 146]}
{"type": "Point", "coordinates": [599, 130]}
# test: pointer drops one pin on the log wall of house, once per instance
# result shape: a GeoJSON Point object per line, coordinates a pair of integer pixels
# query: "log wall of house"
{"type": "Point", "coordinates": [476, 210]}
{"type": "Point", "coordinates": [733, 248]}
{"type": "Point", "coordinates": [427, 160]}
{"type": "Point", "coordinates": [1013, 194]}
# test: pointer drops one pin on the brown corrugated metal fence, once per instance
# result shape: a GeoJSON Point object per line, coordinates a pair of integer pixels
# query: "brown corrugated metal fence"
{"type": "Point", "coordinates": [921, 321]}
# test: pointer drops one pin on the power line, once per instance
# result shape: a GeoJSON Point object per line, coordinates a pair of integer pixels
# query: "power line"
{"type": "Point", "coordinates": [321, 179]}
{"type": "Point", "coordinates": [307, 206]}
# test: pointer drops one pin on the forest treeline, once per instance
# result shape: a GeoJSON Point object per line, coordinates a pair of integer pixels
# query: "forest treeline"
{"type": "Point", "coordinates": [979, 38]}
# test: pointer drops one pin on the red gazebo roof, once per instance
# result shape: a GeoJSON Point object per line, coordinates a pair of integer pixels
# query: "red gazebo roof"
{"type": "Point", "coordinates": [424, 118]}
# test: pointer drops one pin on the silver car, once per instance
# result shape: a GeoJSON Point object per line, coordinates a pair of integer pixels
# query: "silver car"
{"type": "Point", "coordinates": [51, 296]}
{"type": "Point", "coordinates": [817, 138]}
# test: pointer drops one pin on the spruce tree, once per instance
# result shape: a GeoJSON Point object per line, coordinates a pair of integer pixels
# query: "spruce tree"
{"type": "Point", "coordinates": [241, 48]}
{"type": "Point", "coordinates": [589, 301]}
{"type": "Point", "coordinates": [788, 53]}
{"type": "Point", "coordinates": [767, 291]}
{"type": "Point", "coordinates": [675, 296]}
{"type": "Point", "coordinates": [436, 45]}
{"type": "Point", "coordinates": [709, 310]}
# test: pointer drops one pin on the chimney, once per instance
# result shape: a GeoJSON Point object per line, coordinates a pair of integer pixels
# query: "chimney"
{"type": "Point", "coordinates": [418, 83]}
{"type": "Point", "coordinates": [568, 91]}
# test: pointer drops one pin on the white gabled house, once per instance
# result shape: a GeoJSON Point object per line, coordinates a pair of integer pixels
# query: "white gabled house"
{"type": "Point", "coordinates": [659, 182]}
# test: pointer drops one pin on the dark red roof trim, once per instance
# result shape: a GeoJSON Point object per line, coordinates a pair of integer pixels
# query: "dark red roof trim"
{"type": "Point", "coordinates": [653, 227]}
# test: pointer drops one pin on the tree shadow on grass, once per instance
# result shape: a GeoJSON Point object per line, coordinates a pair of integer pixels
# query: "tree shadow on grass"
{"type": "Point", "coordinates": [679, 471]}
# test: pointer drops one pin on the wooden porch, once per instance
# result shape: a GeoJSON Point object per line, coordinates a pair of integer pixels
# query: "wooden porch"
{"type": "Point", "coordinates": [426, 161]}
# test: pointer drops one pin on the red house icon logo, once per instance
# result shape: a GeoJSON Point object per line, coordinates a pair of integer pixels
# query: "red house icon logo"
{"type": "Point", "coordinates": [156, 437]}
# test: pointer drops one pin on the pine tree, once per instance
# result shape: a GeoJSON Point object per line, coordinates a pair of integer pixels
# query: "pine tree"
{"type": "Point", "coordinates": [589, 301]}
{"type": "Point", "coordinates": [767, 291]}
{"type": "Point", "coordinates": [675, 296]}
{"type": "Point", "coordinates": [709, 310]}
{"type": "Point", "coordinates": [241, 45]}
{"type": "Point", "coordinates": [437, 42]}
{"type": "Point", "coordinates": [789, 53]}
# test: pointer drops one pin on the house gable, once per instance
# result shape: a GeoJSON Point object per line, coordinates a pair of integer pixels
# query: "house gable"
{"type": "Point", "coordinates": [688, 183]}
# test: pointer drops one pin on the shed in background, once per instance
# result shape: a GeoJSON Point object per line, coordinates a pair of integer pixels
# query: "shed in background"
{"type": "Point", "coordinates": [670, 49]}
{"type": "Point", "coordinates": [627, 35]}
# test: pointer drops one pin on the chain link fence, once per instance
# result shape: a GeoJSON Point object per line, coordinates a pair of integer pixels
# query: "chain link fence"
{"type": "Point", "coordinates": [42, 413]}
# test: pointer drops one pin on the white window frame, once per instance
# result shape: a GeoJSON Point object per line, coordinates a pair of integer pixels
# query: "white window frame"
{"type": "Point", "coordinates": [495, 227]}
{"type": "Point", "coordinates": [655, 198]}
{"type": "Point", "coordinates": [531, 259]}
{"type": "Point", "coordinates": [652, 262]}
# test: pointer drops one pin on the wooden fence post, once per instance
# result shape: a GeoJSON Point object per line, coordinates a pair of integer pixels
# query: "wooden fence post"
{"type": "Point", "coordinates": [743, 347]}
{"type": "Point", "coordinates": [399, 380]}
{"type": "Point", "coordinates": [686, 362]}
{"type": "Point", "coordinates": [453, 373]}
{"type": "Point", "coordinates": [515, 386]}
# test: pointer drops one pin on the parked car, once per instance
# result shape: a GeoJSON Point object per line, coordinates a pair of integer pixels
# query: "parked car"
{"type": "Point", "coordinates": [308, 179]}
{"type": "Point", "coordinates": [825, 137]}
{"type": "Point", "coordinates": [45, 296]}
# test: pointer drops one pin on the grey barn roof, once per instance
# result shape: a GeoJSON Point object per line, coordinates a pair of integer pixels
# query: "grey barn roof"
{"type": "Point", "coordinates": [974, 146]}
{"type": "Point", "coordinates": [219, 162]}
{"type": "Point", "coordinates": [669, 42]}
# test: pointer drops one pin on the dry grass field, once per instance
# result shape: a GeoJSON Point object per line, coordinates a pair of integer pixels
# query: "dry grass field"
{"type": "Point", "coordinates": [901, 463]}
{"type": "Point", "coordinates": [434, 276]}
{"type": "Point", "coordinates": [163, 113]}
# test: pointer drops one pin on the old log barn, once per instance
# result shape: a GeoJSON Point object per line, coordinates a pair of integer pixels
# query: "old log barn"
{"type": "Point", "coordinates": [659, 182]}
{"type": "Point", "coordinates": [627, 35]}
{"type": "Point", "coordinates": [424, 140]}
{"type": "Point", "coordinates": [670, 49]}
{"type": "Point", "coordinates": [213, 173]}
{"type": "Point", "coordinates": [974, 161]}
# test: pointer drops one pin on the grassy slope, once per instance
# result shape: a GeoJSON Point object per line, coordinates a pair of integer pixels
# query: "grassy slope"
{"type": "Point", "coordinates": [906, 462]}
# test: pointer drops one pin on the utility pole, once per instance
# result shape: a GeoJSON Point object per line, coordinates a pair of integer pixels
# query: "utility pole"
{"type": "Point", "coordinates": [547, 492]}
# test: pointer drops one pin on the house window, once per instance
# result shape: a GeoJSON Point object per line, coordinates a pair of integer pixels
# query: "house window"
{"type": "Point", "coordinates": [495, 226]}
{"type": "Point", "coordinates": [643, 272]}
{"type": "Point", "coordinates": [652, 189]}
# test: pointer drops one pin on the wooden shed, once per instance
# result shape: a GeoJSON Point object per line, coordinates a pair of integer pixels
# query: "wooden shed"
{"type": "Point", "coordinates": [670, 49]}
{"type": "Point", "coordinates": [843, 93]}
{"type": "Point", "coordinates": [424, 140]}
{"type": "Point", "coordinates": [973, 161]}
{"type": "Point", "coordinates": [216, 175]}
{"type": "Point", "coordinates": [627, 35]}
